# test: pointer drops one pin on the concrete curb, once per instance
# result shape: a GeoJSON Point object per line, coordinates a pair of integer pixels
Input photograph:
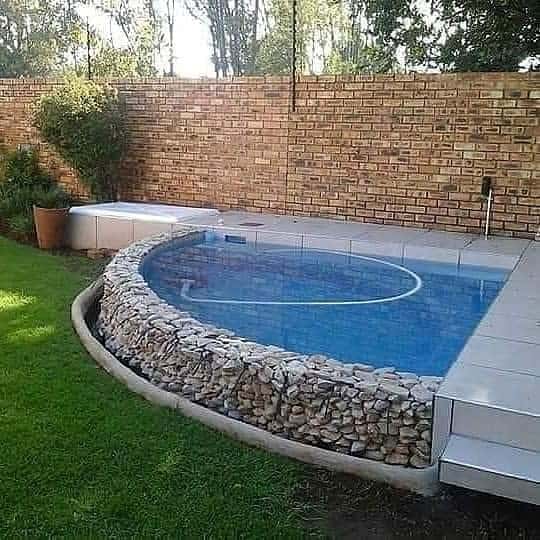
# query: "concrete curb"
{"type": "Point", "coordinates": [423, 481]}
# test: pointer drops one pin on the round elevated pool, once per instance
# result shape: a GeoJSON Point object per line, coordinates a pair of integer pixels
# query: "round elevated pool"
{"type": "Point", "coordinates": [338, 350]}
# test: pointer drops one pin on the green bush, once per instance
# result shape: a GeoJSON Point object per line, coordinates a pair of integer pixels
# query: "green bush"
{"type": "Point", "coordinates": [83, 121]}
{"type": "Point", "coordinates": [21, 168]}
{"type": "Point", "coordinates": [51, 197]}
{"type": "Point", "coordinates": [23, 184]}
{"type": "Point", "coordinates": [21, 225]}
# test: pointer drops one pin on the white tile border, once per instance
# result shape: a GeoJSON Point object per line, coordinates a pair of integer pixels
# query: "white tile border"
{"type": "Point", "coordinates": [511, 332]}
{"type": "Point", "coordinates": [370, 239]}
{"type": "Point", "coordinates": [431, 253]}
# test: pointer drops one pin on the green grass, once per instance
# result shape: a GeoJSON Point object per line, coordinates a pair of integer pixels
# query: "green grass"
{"type": "Point", "coordinates": [80, 456]}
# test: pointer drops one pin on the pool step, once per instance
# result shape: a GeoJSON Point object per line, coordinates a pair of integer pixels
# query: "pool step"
{"type": "Point", "coordinates": [492, 424]}
{"type": "Point", "coordinates": [491, 467]}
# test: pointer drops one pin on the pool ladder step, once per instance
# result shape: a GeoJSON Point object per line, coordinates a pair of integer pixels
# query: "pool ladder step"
{"type": "Point", "coordinates": [514, 428]}
{"type": "Point", "coordinates": [491, 467]}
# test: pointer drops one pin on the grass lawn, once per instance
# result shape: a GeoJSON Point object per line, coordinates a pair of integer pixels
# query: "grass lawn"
{"type": "Point", "coordinates": [81, 457]}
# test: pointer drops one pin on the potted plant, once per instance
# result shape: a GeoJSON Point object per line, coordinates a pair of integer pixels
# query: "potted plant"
{"type": "Point", "coordinates": [30, 199]}
{"type": "Point", "coordinates": [50, 217]}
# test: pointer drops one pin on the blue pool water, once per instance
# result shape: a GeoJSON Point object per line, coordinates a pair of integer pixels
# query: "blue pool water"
{"type": "Point", "coordinates": [412, 315]}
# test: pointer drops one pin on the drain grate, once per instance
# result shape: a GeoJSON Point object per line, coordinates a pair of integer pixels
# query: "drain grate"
{"type": "Point", "coordinates": [250, 224]}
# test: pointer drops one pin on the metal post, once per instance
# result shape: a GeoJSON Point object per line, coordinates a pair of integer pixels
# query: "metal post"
{"type": "Point", "coordinates": [488, 213]}
{"type": "Point", "coordinates": [88, 45]}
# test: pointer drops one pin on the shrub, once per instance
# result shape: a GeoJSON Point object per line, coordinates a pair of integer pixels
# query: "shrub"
{"type": "Point", "coordinates": [51, 197]}
{"type": "Point", "coordinates": [21, 168]}
{"type": "Point", "coordinates": [22, 226]}
{"type": "Point", "coordinates": [82, 120]}
{"type": "Point", "coordinates": [22, 185]}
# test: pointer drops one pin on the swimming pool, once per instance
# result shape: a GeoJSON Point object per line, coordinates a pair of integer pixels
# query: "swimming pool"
{"type": "Point", "coordinates": [412, 315]}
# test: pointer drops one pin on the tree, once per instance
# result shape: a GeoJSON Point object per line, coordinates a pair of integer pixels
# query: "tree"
{"type": "Point", "coordinates": [35, 35]}
{"type": "Point", "coordinates": [233, 26]}
{"type": "Point", "coordinates": [108, 61]}
{"type": "Point", "coordinates": [170, 26]}
{"type": "Point", "coordinates": [366, 39]}
{"type": "Point", "coordinates": [396, 35]}
{"type": "Point", "coordinates": [318, 23]}
{"type": "Point", "coordinates": [454, 35]}
{"type": "Point", "coordinates": [48, 37]}
{"type": "Point", "coordinates": [274, 51]}
{"type": "Point", "coordinates": [140, 29]}
{"type": "Point", "coordinates": [488, 35]}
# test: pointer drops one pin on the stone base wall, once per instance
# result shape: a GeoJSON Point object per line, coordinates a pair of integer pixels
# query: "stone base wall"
{"type": "Point", "coordinates": [355, 409]}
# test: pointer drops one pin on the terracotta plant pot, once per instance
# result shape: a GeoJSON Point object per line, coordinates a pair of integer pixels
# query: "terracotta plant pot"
{"type": "Point", "coordinates": [50, 226]}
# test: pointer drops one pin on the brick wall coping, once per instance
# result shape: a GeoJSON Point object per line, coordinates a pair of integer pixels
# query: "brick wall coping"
{"type": "Point", "coordinates": [398, 77]}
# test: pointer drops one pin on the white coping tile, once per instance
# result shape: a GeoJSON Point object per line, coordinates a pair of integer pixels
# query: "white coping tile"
{"type": "Point", "coordinates": [512, 327]}
{"type": "Point", "coordinates": [82, 231]}
{"type": "Point", "coordinates": [143, 229]}
{"type": "Point", "coordinates": [502, 354]}
{"type": "Point", "coordinates": [488, 482]}
{"type": "Point", "coordinates": [222, 232]}
{"type": "Point", "coordinates": [495, 252]}
{"type": "Point", "coordinates": [327, 243]}
{"type": "Point", "coordinates": [520, 286]}
{"type": "Point", "coordinates": [498, 245]}
{"type": "Point", "coordinates": [430, 253]}
{"type": "Point", "coordinates": [233, 217]}
{"type": "Point", "coordinates": [320, 227]}
{"type": "Point", "coordinates": [285, 239]}
{"type": "Point", "coordinates": [444, 239]}
{"type": "Point", "coordinates": [522, 305]}
{"type": "Point", "coordinates": [495, 260]}
{"type": "Point", "coordinates": [388, 233]}
{"type": "Point", "coordinates": [533, 251]}
{"type": "Point", "coordinates": [489, 455]}
{"type": "Point", "coordinates": [491, 387]}
{"type": "Point", "coordinates": [383, 249]}
{"type": "Point", "coordinates": [213, 219]}
{"type": "Point", "coordinates": [496, 425]}
{"type": "Point", "coordinates": [114, 233]}
{"type": "Point", "coordinates": [528, 273]}
{"type": "Point", "coordinates": [499, 367]}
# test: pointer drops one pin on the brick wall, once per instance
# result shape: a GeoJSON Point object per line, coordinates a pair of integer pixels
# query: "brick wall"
{"type": "Point", "coordinates": [405, 149]}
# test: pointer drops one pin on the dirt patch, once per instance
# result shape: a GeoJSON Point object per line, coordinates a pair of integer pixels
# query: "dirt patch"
{"type": "Point", "coordinates": [349, 508]}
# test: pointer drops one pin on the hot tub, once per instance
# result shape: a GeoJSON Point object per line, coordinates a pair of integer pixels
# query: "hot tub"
{"type": "Point", "coordinates": [116, 225]}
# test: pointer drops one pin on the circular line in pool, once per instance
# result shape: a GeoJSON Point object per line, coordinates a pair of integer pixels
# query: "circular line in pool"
{"type": "Point", "coordinates": [186, 285]}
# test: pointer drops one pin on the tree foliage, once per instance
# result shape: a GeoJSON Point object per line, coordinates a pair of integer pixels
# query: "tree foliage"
{"type": "Point", "coordinates": [489, 35]}
{"type": "Point", "coordinates": [355, 36]}
{"type": "Point", "coordinates": [140, 37]}
{"type": "Point", "coordinates": [34, 36]}
{"type": "Point", "coordinates": [82, 120]}
{"type": "Point", "coordinates": [49, 37]}
{"type": "Point", "coordinates": [135, 36]}
{"type": "Point", "coordinates": [233, 26]}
